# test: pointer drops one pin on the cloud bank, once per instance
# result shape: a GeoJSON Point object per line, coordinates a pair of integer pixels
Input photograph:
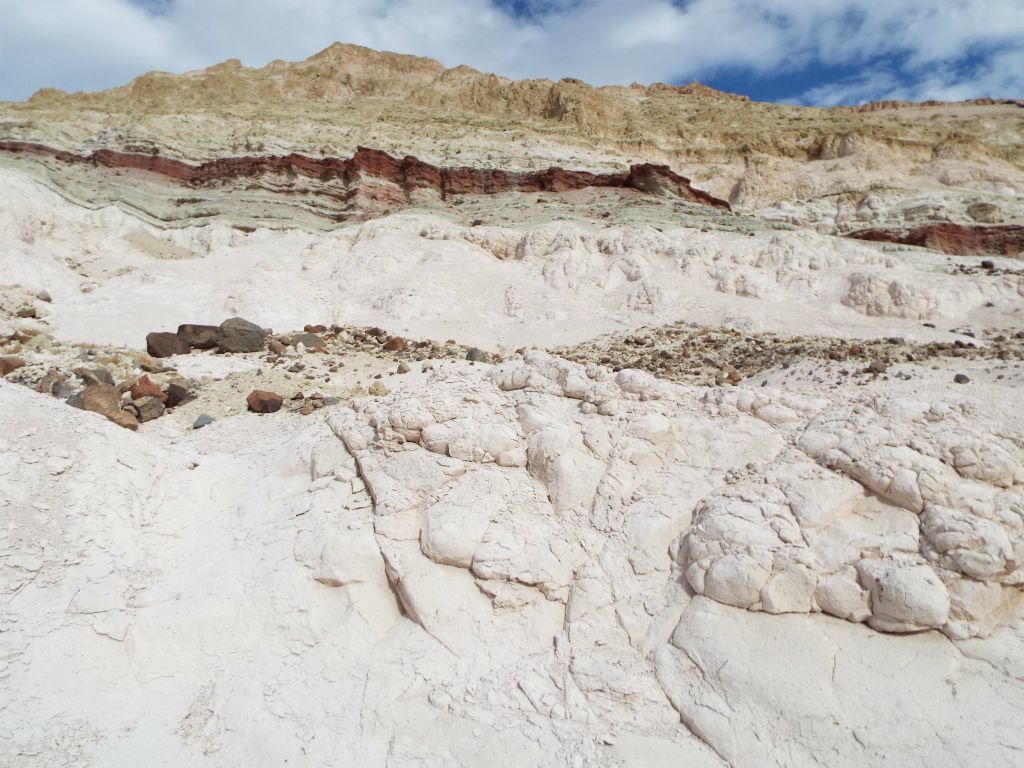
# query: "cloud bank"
{"type": "Point", "coordinates": [811, 51]}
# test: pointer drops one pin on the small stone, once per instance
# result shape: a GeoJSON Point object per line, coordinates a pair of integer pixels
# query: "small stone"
{"type": "Point", "coordinates": [988, 264]}
{"type": "Point", "coordinates": [161, 344]}
{"type": "Point", "coordinates": [404, 367]}
{"type": "Point", "coordinates": [961, 378]}
{"type": "Point", "coordinates": [395, 344]}
{"type": "Point", "coordinates": [148, 364]}
{"type": "Point", "coordinates": [49, 382]}
{"type": "Point", "coordinates": [125, 419]}
{"type": "Point", "coordinates": [10, 363]}
{"type": "Point", "coordinates": [27, 312]}
{"type": "Point", "coordinates": [44, 296]}
{"type": "Point", "coordinates": [276, 346]}
{"type": "Point", "coordinates": [146, 387]}
{"type": "Point", "coordinates": [476, 355]}
{"type": "Point", "coordinates": [877, 366]}
{"type": "Point", "coordinates": [148, 408]}
{"type": "Point", "coordinates": [177, 392]}
{"type": "Point", "coordinates": [310, 341]}
{"type": "Point", "coordinates": [261, 401]}
{"type": "Point", "coordinates": [93, 376]}
{"type": "Point", "coordinates": [202, 421]}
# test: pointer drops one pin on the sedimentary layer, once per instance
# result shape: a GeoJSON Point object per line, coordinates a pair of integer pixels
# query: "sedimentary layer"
{"type": "Point", "coordinates": [892, 166]}
{"type": "Point", "coordinates": [369, 183]}
{"type": "Point", "coordinates": [979, 240]}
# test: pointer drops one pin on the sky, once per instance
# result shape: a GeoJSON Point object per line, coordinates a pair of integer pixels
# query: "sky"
{"type": "Point", "coordinates": [799, 51]}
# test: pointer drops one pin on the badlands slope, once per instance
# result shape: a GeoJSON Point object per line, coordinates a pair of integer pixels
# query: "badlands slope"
{"type": "Point", "coordinates": [716, 486]}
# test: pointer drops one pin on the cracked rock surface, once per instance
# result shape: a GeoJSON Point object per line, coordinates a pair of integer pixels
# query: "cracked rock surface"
{"type": "Point", "coordinates": [557, 560]}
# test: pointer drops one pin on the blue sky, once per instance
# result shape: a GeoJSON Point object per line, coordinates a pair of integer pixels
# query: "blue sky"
{"type": "Point", "coordinates": [805, 51]}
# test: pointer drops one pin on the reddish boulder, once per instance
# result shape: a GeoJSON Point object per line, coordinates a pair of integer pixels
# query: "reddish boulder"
{"type": "Point", "coordinates": [146, 387]}
{"type": "Point", "coordinates": [261, 401]}
{"type": "Point", "coordinates": [395, 344]}
{"type": "Point", "coordinates": [159, 344]}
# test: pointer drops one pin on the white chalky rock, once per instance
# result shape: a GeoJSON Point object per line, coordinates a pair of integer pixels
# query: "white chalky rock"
{"type": "Point", "coordinates": [842, 596]}
{"type": "Point", "coordinates": [904, 597]}
{"type": "Point", "coordinates": [977, 607]}
{"type": "Point", "coordinates": [789, 590]}
{"type": "Point", "coordinates": [967, 543]}
{"type": "Point", "coordinates": [639, 383]}
{"type": "Point", "coordinates": [455, 524]}
{"type": "Point", "coordinates": [735, 579]}
{"type": "Point", "coordinates": [329, 457]}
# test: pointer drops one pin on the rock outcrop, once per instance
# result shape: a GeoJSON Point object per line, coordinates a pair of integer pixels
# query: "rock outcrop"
{"type": "Point", "coordinates": [956, 239]}
{"type": "Point", "coordinates": [370, 168]}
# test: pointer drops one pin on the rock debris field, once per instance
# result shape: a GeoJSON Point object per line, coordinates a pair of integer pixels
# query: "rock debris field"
{"type": "Point", "coordinates": [631, 461]}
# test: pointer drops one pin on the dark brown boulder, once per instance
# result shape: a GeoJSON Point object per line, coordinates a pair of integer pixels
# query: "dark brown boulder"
{"type": "Point", "coordinates": [198, 336]}
{"type": "Point", "coordinates": [395, 344]}
{"type": "Point", "coordinates": [161, 344]}
{"type": "Point", "coordinates": [261, 401]}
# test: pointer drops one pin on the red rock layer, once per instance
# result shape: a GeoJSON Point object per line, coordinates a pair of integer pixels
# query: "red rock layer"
{"type": "Point", "coordinates": [955, 239]}
{"type": "Point", "coordinates": [408, 173]}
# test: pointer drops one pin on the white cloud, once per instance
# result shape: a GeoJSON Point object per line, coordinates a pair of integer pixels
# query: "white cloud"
{"type": "Point", "coordinates": [944, 48]}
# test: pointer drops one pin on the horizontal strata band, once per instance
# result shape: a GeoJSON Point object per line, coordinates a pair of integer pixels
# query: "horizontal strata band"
{"type": "Point", "coordinates": [408, 172]}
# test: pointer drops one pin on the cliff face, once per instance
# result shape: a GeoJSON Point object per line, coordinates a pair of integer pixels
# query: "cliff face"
{"type": "Point", "coordinates": [761, 157]}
